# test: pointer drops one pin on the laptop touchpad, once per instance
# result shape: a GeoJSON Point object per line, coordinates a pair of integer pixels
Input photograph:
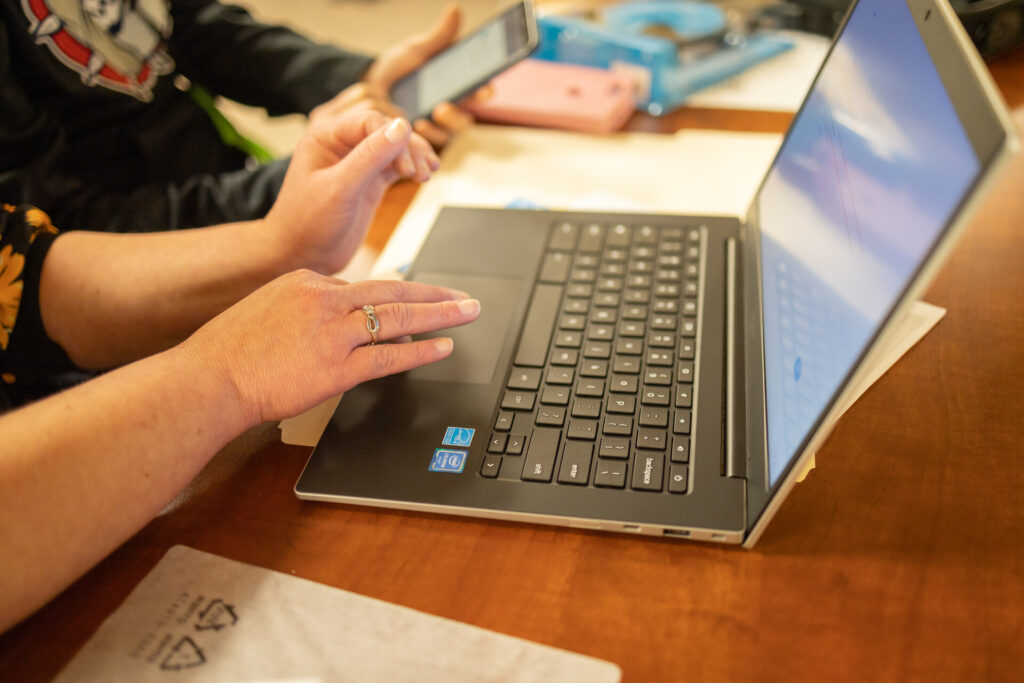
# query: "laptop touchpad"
{"type": "Point", "coordinates": [477, 345]}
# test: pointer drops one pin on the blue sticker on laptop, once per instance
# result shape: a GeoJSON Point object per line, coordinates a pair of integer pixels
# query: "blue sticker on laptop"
{"type": "Point", "coordinates": [448, 461]}
{"type": "Point", "coordinates": [458, 436]}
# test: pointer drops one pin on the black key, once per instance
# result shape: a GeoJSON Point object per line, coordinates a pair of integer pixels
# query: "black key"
{"type": "Point", "coordinates": [663, 322]}
{"type": "Point", "coordinates": [632, 328]}
{"type": "Point", "coordinates": [580, 290]}
{"type": "Point", "coordinates": [654, 396]}
{"type": "Point", "coordinates": [684, 397]}
{"type": "Point", "coordinates": [551, 416]}
{"type": "Point", "coordinates": [653, 417]}
{"type": "Point", "coordinates": [688, 327]}
{"type": "Point", "coordinates": [524, 378]}
{"type": "Point", "coordinates": [668, 275]}
{"type": "Point", "coordinates": [691, 270]}
{"type": "Point", "coordinates": [610, 284]}
{"type": "Point", "coordinates": [615, 447]}
{"type": "Point", "coordinates": [662, 339]}
{"type": "Point", "coordinates": [540, 457]}
{"type": "Point", "coordinates": [560, 376]}
{"type": "Point", "coordinates": [684, 373]}
{"type": "Point", "coordinates": [564, 237]}
{"type": "Point", "coordinates": [555, 268]}
{"type": "Point", "coordinates": [607, 299]}
{"type": "Point", "coordinates": [647, 471]}
{"type": "Point", "coordinates": [504, 421]}
{"type": "Point", "coordinates": [645, 234]}
{"type": "Point", "coordinates": [610, 474]}
{"type": "Point", "coordinates": [575, 468]}
{"type": "Point", "coordinates": [629, 347]}
{"type": "Point", "coordinates": [623, 384]}
{"type": "Point", "coordinates": [590, 387]}
{"type": "Point", "coordinates": [594, 368]}
{"type": "Point", "coordinates": [690, 307]}
{"type": "Point", "coordinates": [659, 358]}
{"type": "Point", "coordinates": [576, 306]}
{"type": "Point", "coordinates": [621, 404]}
{"type": "Point", "coordinates": [650, 439]}
{"type": "Point", "coordinates": [634, 313]}
{"type": "Point", "coordinates": [629, 365]}
{"type": "Point", "coordinates": [667, 290]}
{"type": "Point", "coordinates": [572, 321]}
{"type": "Point", "coordinates": [678, 477]}
{"type": "Point", "coordinates": [666, 306]}
{"type": "Point", "coordinates": [670, 261]}
{"type": "Point", "coordinates": [604, 315]}
{"type": "Point", "coordinates": [693, 234]}
{"type": "Point", "coordinates": [497, 443]}
{"type": "Point", "coordinates": [662, 378]}
{"type": "Point", "coordinates": [639, 281]}
{"type": "Point", "coordinates": [565, 357]}
{"type": "Point", "coordinates": [597, 349]}
{"type": "Point", "coordinates": [680, 449]}
{"type": "Point", "coordinates": [681, 424]}
{"type": "Point", "coordinates": [637, 296]}
{"type": "Point", "coordinates": [491, 465]}
{"type": "Point", "coordinates": [539, 326]}
{"type": "Point", "coordinates": [555, 395]}
{"type": "Point", "coordinates": [613, 269]}
{"type": "Point", "coordinates": [693, 252]}
{"type": "Point", "coordinates": [619, 236]}
{"type": "Point", "coordinates": [583, 275]}
{"type": "Point", "coordinates": [586, 261]}
{"type": "Point", "coordinates": [518, 400]}
{"type": "Point", "coordinates": [515, 444]}
{"type": "Point", "coordinates": [581, 429]}
{"type": "Point", "coordinates": [687, 349]}
{"type": "Point", "coordinates": [592, 238]}
{"type": "Point", "coordinates": [568, 340]}
{"type": "Point", "coordinates": [616, 255]}
{"type": "Point", "coordinates": [600, 332]}
{"type": "Point", "coordinates": [586, 407]}
{"type": "Point", "coordinates": [618, 426]}
{"type": "Point", "coordinates": [690, 288]}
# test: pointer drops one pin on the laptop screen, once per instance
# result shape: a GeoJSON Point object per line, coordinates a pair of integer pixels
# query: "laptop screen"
{"type": "Point", "coordinates": [872, 169]}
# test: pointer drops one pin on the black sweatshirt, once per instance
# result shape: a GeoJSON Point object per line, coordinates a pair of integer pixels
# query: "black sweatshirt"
{"type": "Point", "coordinates": [95, 131]}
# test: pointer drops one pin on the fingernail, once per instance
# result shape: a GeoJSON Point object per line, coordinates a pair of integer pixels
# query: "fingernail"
{"type": "Point", "coordinates": [397, 130]}
{"type": "Point", "coordinates": [443, 344]}
{"type": "Point", "coordinates": [468, 306]}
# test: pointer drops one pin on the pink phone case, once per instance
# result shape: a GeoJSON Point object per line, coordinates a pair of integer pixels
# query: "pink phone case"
{"type": "Point", "coordinates": [535, 92]}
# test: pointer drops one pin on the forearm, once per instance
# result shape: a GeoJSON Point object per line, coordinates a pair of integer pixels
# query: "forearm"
{"type": "Point", "coordinates": [82, 471]}
{"type": "Point", "coordinates": [110, 299]}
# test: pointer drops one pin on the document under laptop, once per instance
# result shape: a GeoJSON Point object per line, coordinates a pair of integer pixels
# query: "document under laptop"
{"type": "Point", "coordinates": [671, 375]}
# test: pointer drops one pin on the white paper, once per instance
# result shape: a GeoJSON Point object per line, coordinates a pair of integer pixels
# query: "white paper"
{"type": "Point", "coordinates": [776, 84]}
{"type": "Point", "coordinates": [198, 617]}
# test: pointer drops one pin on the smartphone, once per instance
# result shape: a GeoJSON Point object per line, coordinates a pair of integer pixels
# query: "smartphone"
{"type": "Point", "coordinates": [469, 63]}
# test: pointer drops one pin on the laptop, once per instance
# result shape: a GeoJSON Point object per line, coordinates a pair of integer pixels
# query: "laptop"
{"type": "Point", "coordinates": [672, 375]}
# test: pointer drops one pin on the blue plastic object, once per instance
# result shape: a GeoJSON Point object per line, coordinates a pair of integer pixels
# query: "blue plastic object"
{"type": "Point", "coordinates": [664, 81]}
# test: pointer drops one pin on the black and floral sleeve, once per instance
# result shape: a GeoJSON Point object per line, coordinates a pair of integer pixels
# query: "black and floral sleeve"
{"type": "Point", "coordinates": [26, 353]}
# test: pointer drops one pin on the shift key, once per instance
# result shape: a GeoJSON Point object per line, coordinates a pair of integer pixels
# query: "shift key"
{"type": "Point", "coordinates": [540, 457]}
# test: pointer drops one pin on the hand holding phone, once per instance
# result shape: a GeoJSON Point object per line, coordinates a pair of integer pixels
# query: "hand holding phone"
{"type": "Point", "coordinates": [470, 63]}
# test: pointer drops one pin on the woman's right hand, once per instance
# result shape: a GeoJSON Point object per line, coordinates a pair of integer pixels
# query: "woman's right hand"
{"type": "Point", "coordinates": [303, 338]}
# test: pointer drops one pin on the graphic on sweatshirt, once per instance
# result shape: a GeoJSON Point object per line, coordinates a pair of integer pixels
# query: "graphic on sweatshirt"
{"type": "Point", "coordinates": [116, 44]}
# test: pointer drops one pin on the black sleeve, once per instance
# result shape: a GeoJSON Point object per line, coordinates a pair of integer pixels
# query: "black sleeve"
{"type": "Point", "coordinates": [223, 48]}
{"type": "Point", "coordinates": [27, 354]}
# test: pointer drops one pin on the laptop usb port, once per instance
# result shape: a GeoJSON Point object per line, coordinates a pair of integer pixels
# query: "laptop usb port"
{"type": "Point", "coordinates": [676, 533]}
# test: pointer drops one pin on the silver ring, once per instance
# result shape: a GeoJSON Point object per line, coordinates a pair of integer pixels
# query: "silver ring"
{"type": "Point", "coordinates": [372, 324]}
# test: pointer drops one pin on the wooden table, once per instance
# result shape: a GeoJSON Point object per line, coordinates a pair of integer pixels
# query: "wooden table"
{"type": "Point", "coordinates": [900, 558]}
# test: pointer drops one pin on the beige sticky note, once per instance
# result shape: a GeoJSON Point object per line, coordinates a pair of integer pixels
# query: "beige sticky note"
{"type": "Point", "coordinates": [198, 617]}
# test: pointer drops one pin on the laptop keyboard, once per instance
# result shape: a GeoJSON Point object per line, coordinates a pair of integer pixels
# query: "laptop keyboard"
{"type": "Point", "coordinates": [601, 391]}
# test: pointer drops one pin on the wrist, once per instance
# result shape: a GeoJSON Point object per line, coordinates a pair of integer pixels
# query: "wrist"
{"type": "Point", "coordinates": [206, 366]}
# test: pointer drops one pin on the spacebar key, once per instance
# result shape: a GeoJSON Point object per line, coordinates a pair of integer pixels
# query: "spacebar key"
{"type": "Point", "coordinates": [540, 458]}
{"type": "Point", "coordinates": [539, 326]}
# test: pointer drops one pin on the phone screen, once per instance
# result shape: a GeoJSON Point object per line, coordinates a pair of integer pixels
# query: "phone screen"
{"type": "Point", "coordinates": [467, 64]}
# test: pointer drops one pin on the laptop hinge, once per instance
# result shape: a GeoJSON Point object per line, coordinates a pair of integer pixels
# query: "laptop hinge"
{"type": "Point", "coordinates": [734, 444]}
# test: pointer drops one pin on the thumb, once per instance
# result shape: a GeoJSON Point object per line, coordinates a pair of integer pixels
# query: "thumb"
{"type": "Point", "coordinates": [376, 152]}
{"type": "Point", "coordinates": [442, 33]}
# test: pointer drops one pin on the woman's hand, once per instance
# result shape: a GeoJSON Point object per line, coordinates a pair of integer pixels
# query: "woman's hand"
{"type": "Point", "coordinates": [304, 338]}
{"type": "Point", "coordinates": [337, 177]}
{"type": "Point", "coordinates": [407, 56]}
